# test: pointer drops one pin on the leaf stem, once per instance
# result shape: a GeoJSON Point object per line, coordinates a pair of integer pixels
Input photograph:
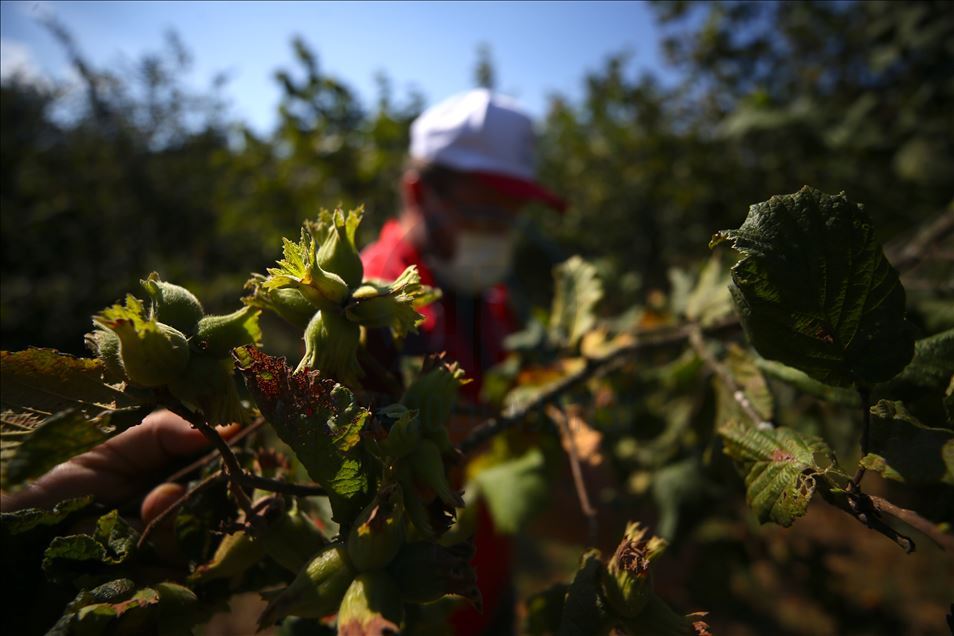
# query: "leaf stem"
{"type": "Point", "coordinates": [230, 464]}
{"type": "Point", "coordinates": [559, 416]}
{"type": "Point", "coordinates": [865, 394]}
{"type": "Point", "coordinates": [695, 339]}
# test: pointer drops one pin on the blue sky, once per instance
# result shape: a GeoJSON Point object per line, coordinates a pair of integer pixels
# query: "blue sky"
{"type": "Point", "coordinates": [538, 48]}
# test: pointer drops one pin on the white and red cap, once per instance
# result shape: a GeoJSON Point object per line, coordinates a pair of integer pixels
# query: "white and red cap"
{"type": "Point", "coordinates": [485, 134]}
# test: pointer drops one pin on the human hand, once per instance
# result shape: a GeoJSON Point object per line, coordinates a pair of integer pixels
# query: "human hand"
{"type": "Point", "coordinates": [119, 468]}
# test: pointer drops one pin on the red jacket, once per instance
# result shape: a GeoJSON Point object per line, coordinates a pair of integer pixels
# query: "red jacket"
{"type": "Point", "coordinates": [471, 331]}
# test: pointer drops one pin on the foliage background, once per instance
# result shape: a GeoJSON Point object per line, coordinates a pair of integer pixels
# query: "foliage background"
{"type": "Point", "coordinates": [132, 172]}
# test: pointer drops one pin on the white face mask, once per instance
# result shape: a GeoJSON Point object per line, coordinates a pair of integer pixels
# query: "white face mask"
{"type": "Point", "coordinates": [480, 261]}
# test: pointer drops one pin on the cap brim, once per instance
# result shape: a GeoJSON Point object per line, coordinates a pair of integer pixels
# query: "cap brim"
{"type": "Point", "coordinates": [522, 189]}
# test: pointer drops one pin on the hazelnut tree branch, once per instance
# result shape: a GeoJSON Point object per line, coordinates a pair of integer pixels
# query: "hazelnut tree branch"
{"type": "Point", "coordinates": [594, 367]}
{"type": "Point", "coordinates": [867, 509]}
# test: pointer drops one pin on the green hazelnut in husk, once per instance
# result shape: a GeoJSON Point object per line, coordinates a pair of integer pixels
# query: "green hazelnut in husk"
{"type": "Point", "coordinates": [378, 532]}
{"type": "Point", "coordinates": [372, 605]}
{"type": "Point", "coordinates": [338, 253]}
{"type": "Point", "coordinates": [218, 335]}
{"type": "Point", "coordinates": [173, 304]}
{"type": "Point", "coordinates": [207, 385]}
{"type": "Point", "coordinates": [104, 344]}
{"type": "Point", "coordinates": [236, 553]}
{"type": "Point", "coordinates": [425, 571]}
{"type": "Point", "coordinates": [316, 591]}
{"type": "Point", "coordinates": [434, 392]}
{"type": "Point", "coordinates": [331, 346]}
{"type": "Point", "coordinates": [427, 466]}
{"type": "Point", "coordinates": [152, 353]}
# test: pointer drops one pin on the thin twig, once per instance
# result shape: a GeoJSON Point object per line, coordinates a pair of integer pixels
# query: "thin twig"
{"type": "Point", "coordinates": [916, 521]}
{"type": "Point", "coordinates": [287, 488]}
{"type": "Point", "coordinates": [862, 507]}
{"type": "Point", "coordinates": [558, 416]}
{"type": "Point", "coordinates": [594, 367]}
{"type": "Point", "coordinates": [230, 464]}
{"type": "Point", "coordinates": [202, 486]}
{"type": "Point", "coordinates": [740, 397]}
{"type": "Point", "coordinates": [212, 456]}
{"type": "Point", "coordinates": [865, 395]}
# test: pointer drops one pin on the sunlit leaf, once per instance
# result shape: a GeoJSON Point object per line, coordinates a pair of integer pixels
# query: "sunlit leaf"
{"type": "Point", "coordinates": [751, 385]}
{"type": "Point", "coordinates": [577, 290]}
{"type": "Point", "coordinates": [54, 407]}
{"type": "Point", "coordinates": [903, 449]}
{"type": "Point", "coordinates": [319, 419]}
{"type": "Point", "coordinates": [710, 300]}
{"type": "Point", "coordinates": [815, 291]}
{"type": "Point", "coordinates": [514, 490]}
{"type": "Point", "coordinates": [780, 467]}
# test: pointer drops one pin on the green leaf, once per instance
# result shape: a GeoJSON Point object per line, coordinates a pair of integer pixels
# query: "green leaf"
{"type": "Point", "coordinates": [20, 521]}
{"type": "Point", "coordinates": [749, 379]}
{"type": "Point", "coordinates": [903, 449]}
{"type": "Point", "coordinates": [932, 365]}
{"type": "Point", "coordinates": [54, 407]}
{"type": "Point", "coordinates": [780, 467]}
{"type": "Point", "coordinates": [47, 381]}
{"type": "Point", "coordinates": [172, 304]}
{"type": "Point", "coordinates": [544, 610]}
{"type": "Point", "coordinates": [112, 543]}
{"type": "Point", "coordinates": [658, 619]}
{"type": "Point", "coordinates": [60, 437]}
{"type": "Point", "coordinates": [710, 300]}
{"type": "Point", "coordinates": [514, 490]}
{"type": "Point", "coordinates": [118, 607]}
{"type": "Point", "coordinates": [391, 305]}
{"type": "Point", "coordinates": [319, 419]}
{"type": "Point", "coordinates": [300, 270]}
{"type": "Point", "coordinates": [577, 290]}
{"type": "Point", "coordinates": [583, 611]}
{"type": "Point", "coordinates": [803, 382]}
{"type": "Point", "coordinates": [815, 291]}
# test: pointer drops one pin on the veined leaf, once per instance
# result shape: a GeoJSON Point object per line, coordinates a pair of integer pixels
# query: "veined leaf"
{"type": "Point", "coordinates": [514, 490]}
{"type": "Point", "coordinates": [20, 521]}
{"type": "Point", "coordinates": [47, 381]}
{"type": "Point", "coordinates": [391, 305]}
{"type": "Point", "coordinates": [905, 450]}
{"type": "Point", "coordinates": [319, 419]}
{"type": "Point", "coordinates": [932, 365]}
{"type": "Point", "coordinates": [584, 612]}
{"type": "Point", "coordinates": [803, 382]}
{"type": "Point", "coordinates": [577, 291]}
{"type": "Point", "coordinates": [815, 291]}
{"type": "Point", "coordinates": [59, 437]}
{"type": "Point", "coordinates": [751, 382]}
{"type": "Point", "coordinates": [112, 543]}
{"type": "Point", "coordinates": [709, 300]}
{"type": "Point", "coordinates": [780, 467]}
{"type": "Point", "coordinates": [118, 607]}
{"type": "Point", "coordinates": [54, 407]}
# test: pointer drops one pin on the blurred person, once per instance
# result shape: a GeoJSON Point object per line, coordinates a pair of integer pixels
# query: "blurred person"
{"type": "Point", "coordinates": [469, 175]}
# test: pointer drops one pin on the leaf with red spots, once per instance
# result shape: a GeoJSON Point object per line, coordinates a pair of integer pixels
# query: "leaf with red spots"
{"type": "Point", "coordinates": [780, 467]}
{"type": "Point", "coordinates": [319, 419]}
